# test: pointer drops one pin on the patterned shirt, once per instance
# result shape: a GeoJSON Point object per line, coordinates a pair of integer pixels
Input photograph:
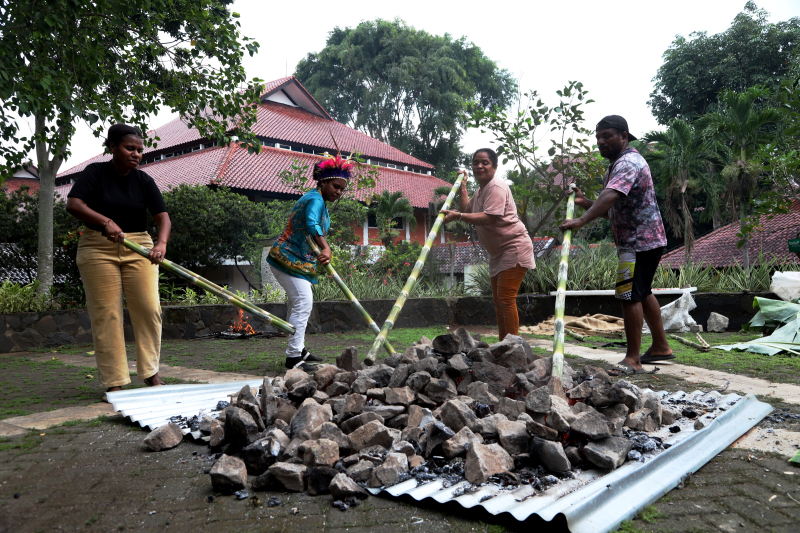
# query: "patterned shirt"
{"type": "Point", "coordinates": [291, 253]}
{"type": "Point", "coordinates": [635, 218]}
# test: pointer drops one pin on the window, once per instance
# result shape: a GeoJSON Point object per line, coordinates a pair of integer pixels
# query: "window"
{"type": "Point", "coordinates": [399, 223]}
{"type": "Point", "coordinates": [283, 146]}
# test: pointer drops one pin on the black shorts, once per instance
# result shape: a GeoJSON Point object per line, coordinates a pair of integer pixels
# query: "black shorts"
{"type": "Point", "coordinates": [635, 274]}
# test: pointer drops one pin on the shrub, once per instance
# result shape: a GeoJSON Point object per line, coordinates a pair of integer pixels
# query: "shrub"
{"type": "Point", "coordinates": [16, 298]}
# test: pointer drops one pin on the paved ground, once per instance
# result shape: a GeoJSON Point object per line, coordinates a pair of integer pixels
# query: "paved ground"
{"type": "Point", "coordinates": [96, 476]}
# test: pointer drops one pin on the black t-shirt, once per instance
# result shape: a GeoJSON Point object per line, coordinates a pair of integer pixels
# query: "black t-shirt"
{"type": "Point", "coordinates": [123, 199]}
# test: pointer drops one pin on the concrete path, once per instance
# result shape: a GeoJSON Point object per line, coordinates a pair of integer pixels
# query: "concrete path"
{"type": "Point", "coordinates": [693, 374]}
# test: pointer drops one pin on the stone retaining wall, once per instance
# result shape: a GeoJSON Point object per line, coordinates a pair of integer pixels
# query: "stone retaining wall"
{"type": "Point", "coordinates": [24, 331]}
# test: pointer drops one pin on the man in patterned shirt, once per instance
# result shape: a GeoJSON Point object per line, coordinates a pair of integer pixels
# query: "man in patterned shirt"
{"type": "Point", "coordinates": [628, 200]}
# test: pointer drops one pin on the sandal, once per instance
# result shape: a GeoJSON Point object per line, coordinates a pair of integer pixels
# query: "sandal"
{"type": "Point", "coordinates": [646, 357]}
{"type": "Point", "coordinates": [624, 369]}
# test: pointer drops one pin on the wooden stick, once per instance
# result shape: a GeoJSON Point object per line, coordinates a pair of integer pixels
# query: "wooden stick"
{"type": "Point", "coordinates": [350, 296]}
{"type": "Point", "coordinates": [689, 343]}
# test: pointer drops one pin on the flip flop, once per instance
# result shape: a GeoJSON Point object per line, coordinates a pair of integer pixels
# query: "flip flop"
{"type": "Point", "coordinates": [623, 369]}
{"type": "Point", "coordinates": [647, 358]}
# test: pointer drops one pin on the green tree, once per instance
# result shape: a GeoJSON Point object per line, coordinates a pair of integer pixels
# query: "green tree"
{"type": "Point", "coordinates": [745, 130]}
{"type": "Point", "coordinates": [102, 61]}
{"type": "Point", "coordinates": [387, 207]}
{"type": "Point", "coordinates": [751, 52]}
{"type": "Point", "coordinates": [404, 86]}
{"type": "Point", "coordinates": [209, 226]}
{"type": "Point", "coordinates": [679, 163]}
{"type": "Point", "coordinates": [539, 182]}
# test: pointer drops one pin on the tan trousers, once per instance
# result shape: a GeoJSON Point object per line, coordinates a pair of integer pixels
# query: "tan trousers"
{"type": "Point", "coordinates": [108, 269]}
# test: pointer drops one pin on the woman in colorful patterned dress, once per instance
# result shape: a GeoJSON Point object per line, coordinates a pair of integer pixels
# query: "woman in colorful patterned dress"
{"type": "Point", "coordinates": [291, 259]}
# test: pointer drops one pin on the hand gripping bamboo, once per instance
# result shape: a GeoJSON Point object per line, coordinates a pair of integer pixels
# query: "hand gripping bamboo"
{"type": "Point", "coordinates": [350, 296]}
{"type": "Point", "coordinates": [213, 288]}
{"type": "Point", "coordinates": [412, 279]}
{"type": "Point", "coordinates": [561, 295]}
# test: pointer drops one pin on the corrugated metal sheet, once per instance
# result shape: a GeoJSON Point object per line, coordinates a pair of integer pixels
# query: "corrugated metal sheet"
{"type": "Point", "coordinates": [595, 503]}
{"type": "Point", "coordinates": [152, 407]}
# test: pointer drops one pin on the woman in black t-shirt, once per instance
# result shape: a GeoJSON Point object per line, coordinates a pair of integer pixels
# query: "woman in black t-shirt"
{"type": "Point", "coordinates": [113, 199]}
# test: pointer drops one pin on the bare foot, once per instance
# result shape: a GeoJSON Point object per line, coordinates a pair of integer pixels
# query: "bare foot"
{"type": "Point", "coordinates": [633, 363]}
{"type": "Point", "coordinates": [110, 389]}
{"type": "Point", "coordinates": [154, 381]}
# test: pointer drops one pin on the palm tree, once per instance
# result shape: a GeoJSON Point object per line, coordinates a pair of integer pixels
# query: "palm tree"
{"type": "Point", "coordinates": [387, 207]}
{"type": "Point", "coordinates": [743, 128]}
{"type": "Point", "coordinates": [680, 156]}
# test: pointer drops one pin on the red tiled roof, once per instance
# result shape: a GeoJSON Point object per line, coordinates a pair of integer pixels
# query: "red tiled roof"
{"type": "Point", "coordinates": [260, 173]}
{"type": "Point", "coordinates": [235, 168]}
{"type": "Point", "coordinates": [297, 125]}
{"type": "Point", "coordinates": [197, 168]}
{"type": "Point", "coordinates": [11, 185]}
{"type": "Point", "coordinates": [718, 248]}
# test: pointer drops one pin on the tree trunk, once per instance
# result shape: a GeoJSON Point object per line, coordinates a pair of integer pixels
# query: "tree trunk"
{"type": "Point", "coordinates": [452, 263]}
{"type": "Point", "coordinates": [48, 168]}
{"type": "Point", "coordinates": [687, 238]}
{"type": "Point", "coordinates": [745, 246]}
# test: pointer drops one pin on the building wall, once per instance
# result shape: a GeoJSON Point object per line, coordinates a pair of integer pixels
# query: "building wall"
{"type": "Point", "coordinates": [418, 234]}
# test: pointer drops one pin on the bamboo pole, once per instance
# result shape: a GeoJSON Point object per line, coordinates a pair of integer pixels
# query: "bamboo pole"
{"type": "Point", "coordinates": [350, 296]}
{"type": "Point", "coordinates": [213, 288]}
{"type": "Point", "coordinates": [561, 295]}
{"type": "Point", "coordinates": [412, 279]}
{"type": "Point", "coordinates": [574, 335]}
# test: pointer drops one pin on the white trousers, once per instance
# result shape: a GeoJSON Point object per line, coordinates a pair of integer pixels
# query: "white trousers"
{"type": "Point", "coordinates": [300, 301]}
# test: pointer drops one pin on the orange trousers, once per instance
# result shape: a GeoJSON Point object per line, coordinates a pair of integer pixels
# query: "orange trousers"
{"type": "Point", "coordinates": [505, 287]}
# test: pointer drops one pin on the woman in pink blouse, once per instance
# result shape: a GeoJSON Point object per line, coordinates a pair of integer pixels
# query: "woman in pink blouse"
{"type": "Point", "coordinates": [494, 214]}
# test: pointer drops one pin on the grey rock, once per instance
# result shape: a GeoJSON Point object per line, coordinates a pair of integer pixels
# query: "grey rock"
{"type": "Point", "coordinates": [540, 430]}
{"type": "Point", "coordinates": [378, 393]}
{"type": "Point", "coordinates": [441, 390]}
{"type": "Point", "coordinates": [263, 453]}
{"type": "Point", "coordinates": [294, 376]}
{"type": "Point", "coordinates": [608, 453]}
{"type": "Point", "coordinates": [485, 460]}
{"type": "Point", "coordinates": [362, 384]}
{"type": "Point", "coordinates": [216, 434]}
{"type": "Point", "coordinates": [479, 391]}
{"type": "Point", "coordinates": [343, 487]}
{"type": "Point", "coordinates": [516, 358]}
{"type": "Point", "coordinates": [633, 398]}
{"type": "Point", "coordinates": [338, 388]}
{"type": "Point", "coordinates": [324, 376]}
{"type": "Point", "coordinates": [205, 425]}
{"type": "Point", "coordinates": [322, 452]}
{"type": "Point", "coordinates": [164, 438]}
{"type": "Point", "coordinates": [352, 424]}
{"type": "Point", "coordinates": [459, 443]}
{"type": "Point", "coordinates": [399, 396]}
{"type": "Point", "coordinates": [480, 355]}
{"type": "Point", "coordinates": [456, 415]}
{"type": "Point", "coordinates": [385, 411]}
{"type": "Point", "coordinates": [361, 471]}
{"type": "Point", "coordinates": [427, 364]}
{"type": "Point", "coordinates": [717, 323]}
{"type": "Point", "coordinates": [390, 472]}
{"type": "Point", "coordinates": [498, 377]}
{"type": "Point", "coordinates": [540, 371]}
{"type": "Point", "coordinates": [353, 405]}
{"type": "Point", "coordinates": [394, 360]}
{"type": "Point", "coordinates": [513, 436]}
{"type": "Point", "coordinates": [309, 417]}
{"type": "Point", "coordinates": [437, 433]}
{"type": "Point", "coordinates": [404, 447]}
{"type": "Point", "coordinates": [240, 428]}
{"type": "Point", "coordinates": [285, 412]}
{"type": "Point", "coordinates": [467, 342]}
{"type": "Point", "coordinates": [348, 360]}
{"type": "Point", "coordinates": [291, 476]}
{"type": "Point", "coordinates": [511, 408]}
{"type": "Point", "coordinates": [550, 454]}
{"type": "Point", "coordinates": [319, 479]}
{"type": "Point", "coordinates": [302, 390]}
{"type": "Point", "coordinates": [418, 381]}
{"type": "Point", "coordinates": [419, 416]}
{"type": "Point", "coordinates": [331, 431]}
{"type": "Point", "coordinates": [652, 401]}
{"type": "Point", "coordinates": [457, 366]}
{"type": "Point", "coordinates": [370, 434]}
{"type": "Point", "coordinates": [642, 420]}
{"type": "Point", "coordinates": [447, 344]}
{"type": "Point", "coordinates": [591, 424]}
{"type": "Point", "coordinates": [269, 403]}
{"type": "Point", "coordinates": [399, 376]}
{"type": "Point", "coordinates": [669, 416]}
{"type": "Point", "coordinates": [381, 374]}
{"type": "Point", "coordinates": [228, 474]}
{"type": "Point", "coordinates": [573, 453]}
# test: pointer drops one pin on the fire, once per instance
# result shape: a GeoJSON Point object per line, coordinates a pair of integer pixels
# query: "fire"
{"type": "Point", "coordinates": [240, 325]}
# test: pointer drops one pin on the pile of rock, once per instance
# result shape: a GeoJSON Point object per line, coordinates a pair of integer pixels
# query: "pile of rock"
{"type": "Point", "coordinates": [454, 407]}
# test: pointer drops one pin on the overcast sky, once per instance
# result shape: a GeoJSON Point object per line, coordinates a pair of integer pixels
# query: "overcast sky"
{"type": "Point", "coordinates": [615, 49]}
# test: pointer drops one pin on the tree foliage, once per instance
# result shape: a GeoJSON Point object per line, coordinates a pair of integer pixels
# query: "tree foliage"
{"type": "Point", "coordinates": [540, 180]}
{"type": "Point", "coordinates": [209, 226]}
{"type": "Point", "coordinates": [103, 61]}
{"type": "Point", "coordinates": [387, 208]}
{"type": "Point", "coordinates": [404, 86]}
{"type": "Point", "coordinates": [751, 52]}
